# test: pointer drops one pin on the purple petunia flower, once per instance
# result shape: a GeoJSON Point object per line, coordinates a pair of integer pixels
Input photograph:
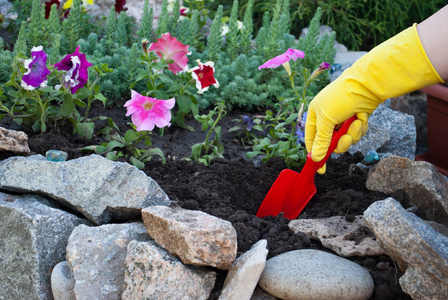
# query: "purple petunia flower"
{"type": "Point", "coordinates": [248, 122]}
{"type": "Point", "coordinates": [300, 129]}
{"type": "Point", "coordinates": [37, 71]}
{"type": "Point", "coordinates": [76, 66]}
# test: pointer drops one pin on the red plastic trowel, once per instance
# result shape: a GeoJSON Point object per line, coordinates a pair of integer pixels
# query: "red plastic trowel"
{"type": "Point", "coordinates": [292, 191]}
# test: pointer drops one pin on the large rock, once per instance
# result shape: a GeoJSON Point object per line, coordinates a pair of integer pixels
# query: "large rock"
{"type": "Point", "coordinates": [33, 234]}
{"type": "Point", "coordinates": [14, 141]}
{"type": "Point", "coordinates": [153, 273]}
{"type": "Point", "coordinates": [195, 237]}
{"type": "Point", "coordinates": [417, 248]}
{"type": "Point", "coordinates": [389, 131]}
{"type": "Point", "coordinates": [336, 233]}
{"type": "Point", "coordinates": [243, 277]}
{"type": "Point", "coordinates": [315, 275]}
{"type": "Point", "coordinates": [421, 182]}
{"type": "Point", "coordinates": [97, 255]}
{"type": "Point", "coordinates": [95, 186]}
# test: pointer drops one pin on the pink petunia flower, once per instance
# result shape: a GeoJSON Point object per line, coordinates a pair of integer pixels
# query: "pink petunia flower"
{"type": "Point", "coordinates": [148, 112]}
{"type": "Point", "coordinates": [323, 66]}
{"type": "Point", "coordinates": [37, 71]}
{"type": "Point", "coordinates": [203, 74]}
{"type": "Point", "coordinates": [76, 66]}
{"type": "Point", "coordinates": [283, 59]}
{"type": "Point", "coordinates": [172, 52]}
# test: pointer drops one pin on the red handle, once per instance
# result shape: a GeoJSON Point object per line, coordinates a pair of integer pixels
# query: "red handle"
{"type": "Point", "coordinates": [337, 134]}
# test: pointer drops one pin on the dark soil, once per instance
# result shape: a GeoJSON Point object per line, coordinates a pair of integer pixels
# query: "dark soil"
{"type": "Point", "coordinates": [233, 188]}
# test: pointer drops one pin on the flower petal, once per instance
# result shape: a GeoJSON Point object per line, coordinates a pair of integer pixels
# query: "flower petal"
{"type": "Point", "coordinates": [149, 112]}
{"type": "Point", "coordinates": [170, 49]}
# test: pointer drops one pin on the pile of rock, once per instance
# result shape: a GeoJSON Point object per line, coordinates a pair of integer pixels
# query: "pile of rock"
{"type": "Point", "coordinates": [73, 232]}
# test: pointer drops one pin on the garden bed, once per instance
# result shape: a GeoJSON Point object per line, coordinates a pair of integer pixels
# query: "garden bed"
{"type": "Point", "coordinates": [233, 188]}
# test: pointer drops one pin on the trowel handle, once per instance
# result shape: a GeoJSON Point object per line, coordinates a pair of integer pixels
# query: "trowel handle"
{"type": "Point", "coordinates": [337, 134]}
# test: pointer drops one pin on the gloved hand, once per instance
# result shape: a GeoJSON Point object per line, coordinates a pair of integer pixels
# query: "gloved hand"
{"type": "Point", "coordinates": [394, 68]}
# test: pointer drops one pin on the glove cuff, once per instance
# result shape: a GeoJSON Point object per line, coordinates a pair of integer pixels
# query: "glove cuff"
{"type": "Point", "coordinates": [396, 67]}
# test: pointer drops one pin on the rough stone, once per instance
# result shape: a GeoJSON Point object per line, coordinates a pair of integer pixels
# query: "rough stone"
{"type": "Point", "coordinates": [336, 233]}
{"type": "Point", "coordinates": [315, 275]}
{"type": "Point", "coordinates": [421, 182]}
{"type": "Point", "coordinates": [63, 282]}
{"type": "Point", "coordinates": [14, 141]}
{"type": "Point", "coordinates": [94, 186]}
{"type": "Point", "coordinates": [245, 272]}
{"type": "Point", "coordinates": [418, 249]}
{"type": "Point", "coordinates": [389, 131]}
{"type": "Point", "coordinates": [97, 255]}
{"type": "Point", "coordinates": [33, 234]}
{"type": "Point", "coordinates": [197, 238]}
{"type": "Point", "coordinates": [153, 273]}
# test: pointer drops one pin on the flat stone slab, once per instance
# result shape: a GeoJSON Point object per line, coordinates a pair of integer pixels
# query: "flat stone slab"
{"type": "Point", "coordinates": [94, 186]}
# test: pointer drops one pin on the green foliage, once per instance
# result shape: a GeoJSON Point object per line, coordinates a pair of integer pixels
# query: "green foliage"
{"type": "Point", "coordinates": [35, 34]}
{"type": "Point", "coordinates": [359, 24]}
{"type": "Point", "coordinates": [127, 146]}
{"type": "Point", "coordinates": [248, 26]}
{"type": "Point", "coordinates": [20, 45]}
{"type": "Point", "coordinates": [232, 38]}
{"type": "Point", "coordinates": [146, 29]}
{"type": "Point", "coordinates": [71, 28]}
{"type": "Point", "coordinates": [163, 19]}
{"type": "Point", "coordinates": [206, 151]}
{"type": "Point", "coordinates": [214, 40]}
{"type": "Point", "coordinates": [110, 38]}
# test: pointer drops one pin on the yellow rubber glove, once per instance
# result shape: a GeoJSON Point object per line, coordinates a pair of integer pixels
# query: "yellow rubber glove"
{"type": "Point", "coordinates": [394, 68]}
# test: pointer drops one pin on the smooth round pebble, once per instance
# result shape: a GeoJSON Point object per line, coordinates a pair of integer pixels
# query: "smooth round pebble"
{"type": "Point", "coordinates": [62, 282]}
{"type": "Point", "coordinates": [313, 274]}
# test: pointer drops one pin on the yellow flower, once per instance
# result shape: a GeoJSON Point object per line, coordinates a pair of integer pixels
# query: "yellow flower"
{"type": "Point", "coordinates": [69, 3]}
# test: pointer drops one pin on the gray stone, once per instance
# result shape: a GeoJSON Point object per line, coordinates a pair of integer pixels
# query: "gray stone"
{"type": "Point", "coordinates": [153, 273]}
{"type": "Point", "coordinates": [243, 277]}
{"type": "Point", "coordinates": [95, 186]}
{"type": "Point", "coordinates": [260, 294]}
{"type": "Point", "coordinates": [339, 235]}
{"type": "Point", "coordinates": [315, 275]}
{"type": "Point", "coordinates": [33, 238]}
{"type": "Point", "coordinates": [418, 249]}
{"type": "Point", "coordinates": [197, 238]}
{"type": "Point", "coordinates": [14, 141]}
{"type": "Point", "coordinates": [420, 181]}
{"type": "Point", "coordinates": [97, 255]}
{"type": "Point", "coordinates": [63, 282]}
{"type": "Point", "coordinates": [389, 131]}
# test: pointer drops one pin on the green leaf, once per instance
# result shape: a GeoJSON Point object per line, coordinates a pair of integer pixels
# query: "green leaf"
{"type": "Point", "coordinates": [291, 118]}
{"type": "Point", "coordinates": [100, 97]}
{"type": "Point", "coordinates": [112, 156]}
{"type": "Point", "coordinates": [184, 104]}
{"type": "Point", "coordinates": [68, 106]}
{"type": "Point", "coordinates": [252, 154]}
{"type": "Point", "coordinates": [83, 93]}
{"type": "Point", "coordinates": [47, 89]}
{"type": "Point", "coordinates": [114, 144]}
{"type": "Point", "coordinates": [136, 162]}
{"type": "Point", "coordinates": [154, 151]}
{"type": "Point", "coordinates": [85, 129]}
{"type": "Point", "coordinates": [130, 136]}
{"type": "Point", "coordinates": [80, 103]}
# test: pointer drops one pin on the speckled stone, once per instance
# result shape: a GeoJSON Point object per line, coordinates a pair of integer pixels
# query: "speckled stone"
{"type": "Point", "coordinates": [153, 273]}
